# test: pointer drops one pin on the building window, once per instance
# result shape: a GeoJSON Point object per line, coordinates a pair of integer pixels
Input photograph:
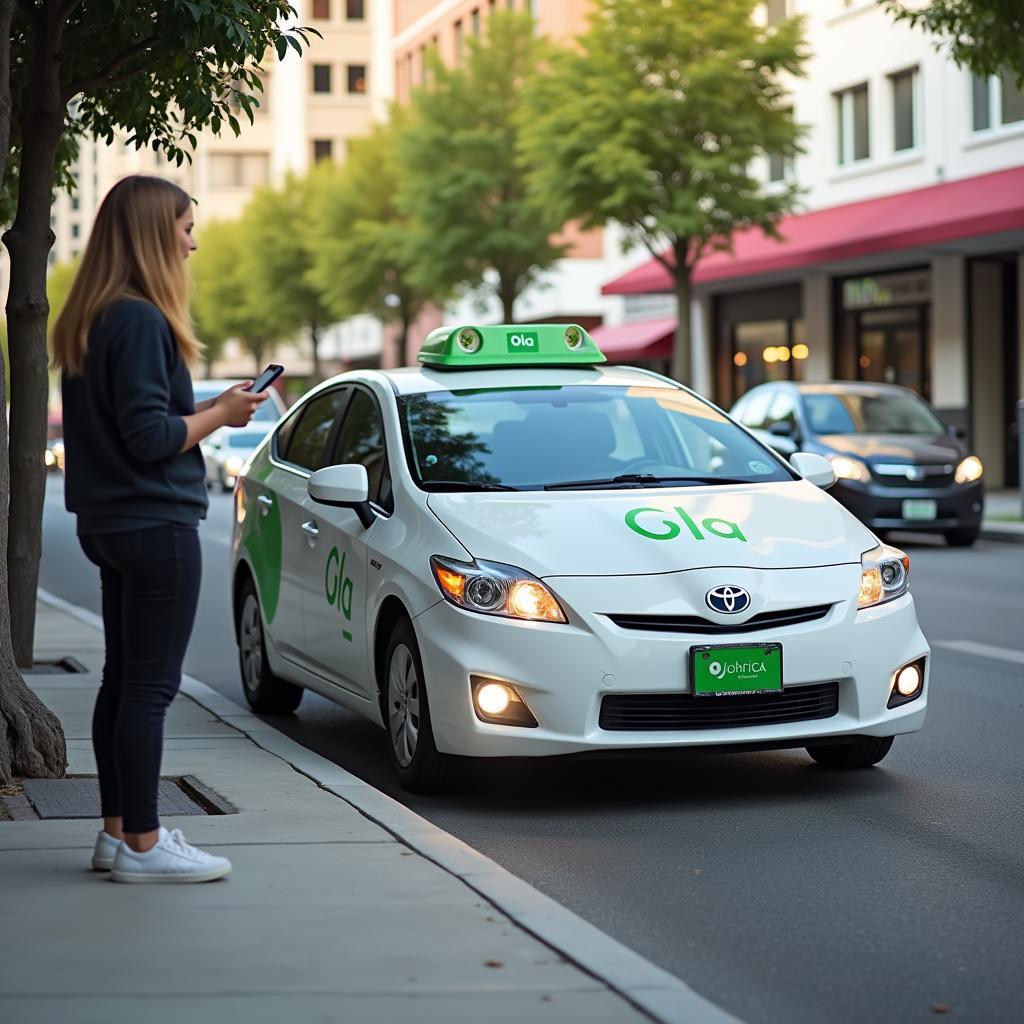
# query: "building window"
{"type": "Point", "coordinates": [321, 78]}
{"type": "Point", "coordinates": [904, 110]}
{"type": "Point", "coordinates": [323, 149]}
{"type": "Point", "coordinates": [774, 11]}
{"type": "Point", "coordinates": [355, 10]}
{"type": "Point", "coordinates": [458, 39]}
{"type": "Point", "coordinates": [76, 231]}
{"type": "Point", "coordinates": [357, 77]}
{"type": "Point", "coordinates": [75, 202]}
{"type": "Point", "coordinates": [322, 9]}
{"type": "Point", "coordinates": [852, 125]}
{"type": "Point", "coordinates": [239, 170]}
{"type": "Point", "coordinates": [475, 16]}
{"type": "Point", "coordinates": [996, 101]}
{"type": "Point", "coordinates": [777, 166]}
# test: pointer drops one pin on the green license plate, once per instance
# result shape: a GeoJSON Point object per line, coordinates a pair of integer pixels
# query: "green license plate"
{"type": "Point", "coordinates": [736, 669]}
{"type": "Point", "coordinates": [920, 508]}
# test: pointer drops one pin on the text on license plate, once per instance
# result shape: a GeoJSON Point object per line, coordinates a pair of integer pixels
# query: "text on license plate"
{"type": "Point", "coordinates": [735, 669]}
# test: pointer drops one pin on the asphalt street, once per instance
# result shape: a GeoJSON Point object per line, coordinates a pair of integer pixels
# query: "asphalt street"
{"type": "Point", "coordinates": [783, 892]}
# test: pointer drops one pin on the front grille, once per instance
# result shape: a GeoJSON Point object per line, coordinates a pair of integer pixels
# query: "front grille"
{"type": "Point", "coordinates": [705, 627]}
{"type": "Point", "coordinates": [656, 712]}
{"type": "Point", "coordinates": [913, 477]}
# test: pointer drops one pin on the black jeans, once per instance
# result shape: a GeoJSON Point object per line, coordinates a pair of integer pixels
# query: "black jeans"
{"type": "Point", "coordinates": [150, 580]}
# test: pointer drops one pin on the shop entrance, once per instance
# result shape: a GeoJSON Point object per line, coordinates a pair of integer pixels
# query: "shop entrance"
{"type": "Point", "coordinates": [892, 347]}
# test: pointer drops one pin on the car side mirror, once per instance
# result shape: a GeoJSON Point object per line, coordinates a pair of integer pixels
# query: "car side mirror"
{"type": "Point", "coordinates": [958, 432]}
{"type": "Point", "coordinates": [343, 487]}
{"type": "Point", "coordinates": [815, 469]}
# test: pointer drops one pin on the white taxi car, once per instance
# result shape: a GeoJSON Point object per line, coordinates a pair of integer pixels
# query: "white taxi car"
{"type": "Point", "coordinates": [514, 550]}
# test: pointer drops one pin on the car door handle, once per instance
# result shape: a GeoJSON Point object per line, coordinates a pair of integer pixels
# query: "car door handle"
{"type": "Point", "coordinates": [264, 500]}
{"type": "Point", "coordinates": [311, 529]}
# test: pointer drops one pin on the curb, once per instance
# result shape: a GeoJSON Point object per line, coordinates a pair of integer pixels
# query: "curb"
{"type": "Point", "coordinates": [660, 995]}
{"type": "Point", "coordinates": [1005, 534]}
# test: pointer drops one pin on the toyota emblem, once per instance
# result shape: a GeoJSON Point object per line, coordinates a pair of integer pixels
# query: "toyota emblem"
{"type": "Point", "coordinates": [727, 599]}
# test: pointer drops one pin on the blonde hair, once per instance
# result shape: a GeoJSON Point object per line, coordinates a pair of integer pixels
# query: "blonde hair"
{"type": "Point", "coordinates": [133, 251]}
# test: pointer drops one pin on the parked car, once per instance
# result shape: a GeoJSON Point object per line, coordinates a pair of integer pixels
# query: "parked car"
{"type": "Point", "coordinates": [53, 455]}
{"type": "Point", "coordinates": [898, 467]}
{"type": "Point", "coordinates": [228, 449]}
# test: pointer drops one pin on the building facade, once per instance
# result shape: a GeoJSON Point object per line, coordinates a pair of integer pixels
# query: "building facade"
{"type": "Point", "coordinates": [905, 262]}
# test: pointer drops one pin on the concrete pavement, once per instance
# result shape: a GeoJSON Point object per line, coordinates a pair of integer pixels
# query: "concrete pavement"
{"type": "Point", "coordinates": [343, 906]}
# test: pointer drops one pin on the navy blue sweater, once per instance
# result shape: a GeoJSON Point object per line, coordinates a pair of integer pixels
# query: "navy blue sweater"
{"type": "Point", "coordinates": [123, 427]}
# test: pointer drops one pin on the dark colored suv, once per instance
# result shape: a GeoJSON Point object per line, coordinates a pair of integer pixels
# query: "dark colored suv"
{"type": "Point", "coordinates": [898, 467]}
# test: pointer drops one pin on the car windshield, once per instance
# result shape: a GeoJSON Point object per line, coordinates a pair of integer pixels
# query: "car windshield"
{"type": "Point", "coordinates": [588, 436]}
{"type": "Point", "coordinates": [856, 412]}
{"type": "Point", "coordinates": [268, 412]}
{"type": "Point", "coordinates": [246, 438]}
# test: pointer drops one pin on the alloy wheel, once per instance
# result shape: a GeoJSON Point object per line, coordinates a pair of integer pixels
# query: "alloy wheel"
{"type": "Point", "coordinates": [403, 705]}
{"type": "Point", "coordinates": [250, 643]}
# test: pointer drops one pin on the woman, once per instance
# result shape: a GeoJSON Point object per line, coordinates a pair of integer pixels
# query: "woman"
{"type": "Point", "coordinates": [136, 480]}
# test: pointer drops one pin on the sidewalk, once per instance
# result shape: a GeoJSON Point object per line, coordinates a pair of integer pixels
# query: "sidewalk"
{"type": "Point", "coordinates": [343, 905]}
{"type": "Point", "coordinates": [1002, 519]}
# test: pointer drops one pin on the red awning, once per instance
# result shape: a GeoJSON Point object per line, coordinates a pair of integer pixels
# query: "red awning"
{"type": "Point", "coordinates": [641, 339]}
{"type": "Point", "coordinates": [986, 204]}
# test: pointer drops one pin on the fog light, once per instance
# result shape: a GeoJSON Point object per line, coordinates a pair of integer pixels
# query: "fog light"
{"type": "Point", "coordinates": [492, 698]}
{"type": "Point", "coordinates": [909, 680]}
{"type": "Point", "coordinates": [499, 704]}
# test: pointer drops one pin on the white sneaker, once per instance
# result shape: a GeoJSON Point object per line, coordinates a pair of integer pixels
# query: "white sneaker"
{"type": "Point", "coordinates": [104, 852]}
{"type": "Point", "coordinates": [171, 859]}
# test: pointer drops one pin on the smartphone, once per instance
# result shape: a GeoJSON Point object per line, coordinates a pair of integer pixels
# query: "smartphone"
{"type": "Point", "coordinates": [266, 378]}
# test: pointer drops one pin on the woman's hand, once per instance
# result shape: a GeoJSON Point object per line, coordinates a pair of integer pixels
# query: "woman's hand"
{"type": "Point", "coordinates": [236, 405]}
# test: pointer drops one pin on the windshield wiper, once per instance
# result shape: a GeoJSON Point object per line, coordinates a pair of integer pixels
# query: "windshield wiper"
{"type": "Point", "coordinates": [644, 480]}
{"type": "Point", "coordinates": [463, 485]}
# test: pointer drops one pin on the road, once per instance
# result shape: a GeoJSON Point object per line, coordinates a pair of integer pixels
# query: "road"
{"type": "Point", "coordinates": [782, 892]}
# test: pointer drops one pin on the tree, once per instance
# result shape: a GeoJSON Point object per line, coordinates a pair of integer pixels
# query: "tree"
{"type": "Point", "coordinates": [462, 182]}
{"type": "Point", "coordinates": [365, 253]}
{"type": "Point", "coordinates": [278, 259]}
{"type": "Point", "coordinates": [986, 36]}
{"type": "Point", "coordinates": [159, 70]}
{"type": "Point", "coordinates": [224, 302]}
{"type": "Point", "coordinates": [31, 739]}
{"type": "Point", "coordinates": [654, 120]}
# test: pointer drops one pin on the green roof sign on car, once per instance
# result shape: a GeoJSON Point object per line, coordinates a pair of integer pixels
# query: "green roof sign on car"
{"type": "Point", "coordinates": [510, 345]}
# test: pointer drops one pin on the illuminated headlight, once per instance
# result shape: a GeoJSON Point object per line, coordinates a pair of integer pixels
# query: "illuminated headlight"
{"type": "Point", "coordinates": [849, 469]}
{"type": "Point", "coordinates": [233, 465]}
{"type": "Point", "coordinates": [906, 684]}
{"type": "Point", "coordinates": [969, 470]}
{"type": "Point", "coordinates": [884, 575]}
{"type": "Point", "coordinates": [499, 703]}
{"type": "Point", "coordinates": [496, 589]}
{"type": "Point", "coordinates": [49, 458]}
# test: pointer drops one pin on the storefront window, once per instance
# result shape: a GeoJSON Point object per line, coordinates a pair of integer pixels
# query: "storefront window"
{"type": "Point", "coordinates": [768, 350]}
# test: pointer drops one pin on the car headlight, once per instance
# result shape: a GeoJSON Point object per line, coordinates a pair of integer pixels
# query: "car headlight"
{"type": "Point", "coordinates": [496, 589]}
{"type": "Point", "coordinates": [847, 468]}
{"type": "Point", "coordinates": [969, 470]}
{"type": "Point", "coordinates": [233, 465]}
{"type": "Point", "coordinates": [49, 458]}
{"type": "Point", "coordinates": [884, 575]}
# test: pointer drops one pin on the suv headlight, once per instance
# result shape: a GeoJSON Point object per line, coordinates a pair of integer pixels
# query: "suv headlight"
{"type": "Point", "coordinates": [847, 468]}
{"type": "Point", "coordinates": [969, 470]}
{"type": "Point", "coordinates": [492, 588]}
{"type": "Point", "coordinates": [884, 575]}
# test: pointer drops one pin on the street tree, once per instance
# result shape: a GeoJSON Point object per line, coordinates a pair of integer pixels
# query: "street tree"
{"type": "Point", "coordinates": [31, 739]}
{"type": "Point", "coordinates": [153, 71]}
{"type": "Point", "coordinates": [225, 303]}
{"type": "Point", "coordinates": [654, 120]}
{"type": "Point", "coordinates": [278, 260]}
{"type": "Point", "coordinates": [986, 36]}
{"type": "Point", "coordinates": [462, 180]}
{"type": "Point", "coordinates": [364, 244]}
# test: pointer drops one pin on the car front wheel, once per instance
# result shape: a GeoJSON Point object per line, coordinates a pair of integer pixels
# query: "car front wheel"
{"type": "Point", "coordinates": [266, 693]}
{"type": "Point", "coordinates": [861, 753]}
{"type": "Point", "coordinates": [414, 756]}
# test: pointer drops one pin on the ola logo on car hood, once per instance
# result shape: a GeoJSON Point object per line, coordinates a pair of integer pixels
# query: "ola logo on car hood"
{"type": "Point", "coordinates": [338, 587]}
{"type": "Point", "coordinates": [668, 529]}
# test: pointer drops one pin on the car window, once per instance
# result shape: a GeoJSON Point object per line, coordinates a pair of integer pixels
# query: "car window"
{"type": "Point", "coordinates": [307, 441]}
{"type": "Point", "coordinates": [755, 412]}
{"type": "Point", "coordinates": [245, 438]}
{"type": "Point", "coordinates": [361, 440]}
{"type": "Point", "coordinates": [783, 410]}
{"type": "Point", "coordinates": [858, 412]}
{"type": "Point", "coordinates": [537, 437]}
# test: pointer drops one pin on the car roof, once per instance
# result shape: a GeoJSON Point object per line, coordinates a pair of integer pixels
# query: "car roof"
{"type": "Point", "coordinates": [853, 387]}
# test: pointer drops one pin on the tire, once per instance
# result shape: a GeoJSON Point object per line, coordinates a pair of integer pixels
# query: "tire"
{"type": "Point", "coordinates": [962, 538]}
{"type": "Point", "coordinates": [861, 753]}
{"type": "Point", "coordinates": [265, 693]}
{"type": "Point", "coordinates": [415, 760]}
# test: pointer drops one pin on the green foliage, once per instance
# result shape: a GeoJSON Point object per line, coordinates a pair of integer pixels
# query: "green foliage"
{"type": "Point", "coordinates": [364, 246]}
{"type": "Point", "coordinates": [462, 181]}
{"type": "Point", "coordinates": [986, 36]}
{"type": "Point", "coordinates": [160, 70]}
{"type": "Point", "coordinates": [654, 119]}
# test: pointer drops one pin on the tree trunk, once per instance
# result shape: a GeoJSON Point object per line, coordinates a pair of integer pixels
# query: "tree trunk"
{"type": "Point", "coordinates": [31, 740]}
{"type": "Point", "coordinates": [28, 242]}
{"type": "Point", "coordinates": [682, 348]}
{"type": "Point", "coordinates": [402, 342]}
{"type": "Point", "coordinates": [314, 344]}
{"type": "Point", "coordinates": [508, 287]}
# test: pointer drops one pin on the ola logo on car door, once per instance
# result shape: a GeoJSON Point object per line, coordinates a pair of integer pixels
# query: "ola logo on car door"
{"type": "Point", "coordinates": [669, 529]}
{"type": "Point", "coordinates": [338, 587]}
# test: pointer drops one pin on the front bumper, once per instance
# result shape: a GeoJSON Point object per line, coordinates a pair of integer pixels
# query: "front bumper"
{"type": "Point", "coordinates": [880, 507]}
{"type": "Point", "coordinates": [563, 672]}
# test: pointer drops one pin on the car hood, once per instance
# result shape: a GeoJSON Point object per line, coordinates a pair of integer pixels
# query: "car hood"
{"type": "Point", "coordinates": [783, 525]}
{"type": "Point", "coordinates": [920, 449]}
